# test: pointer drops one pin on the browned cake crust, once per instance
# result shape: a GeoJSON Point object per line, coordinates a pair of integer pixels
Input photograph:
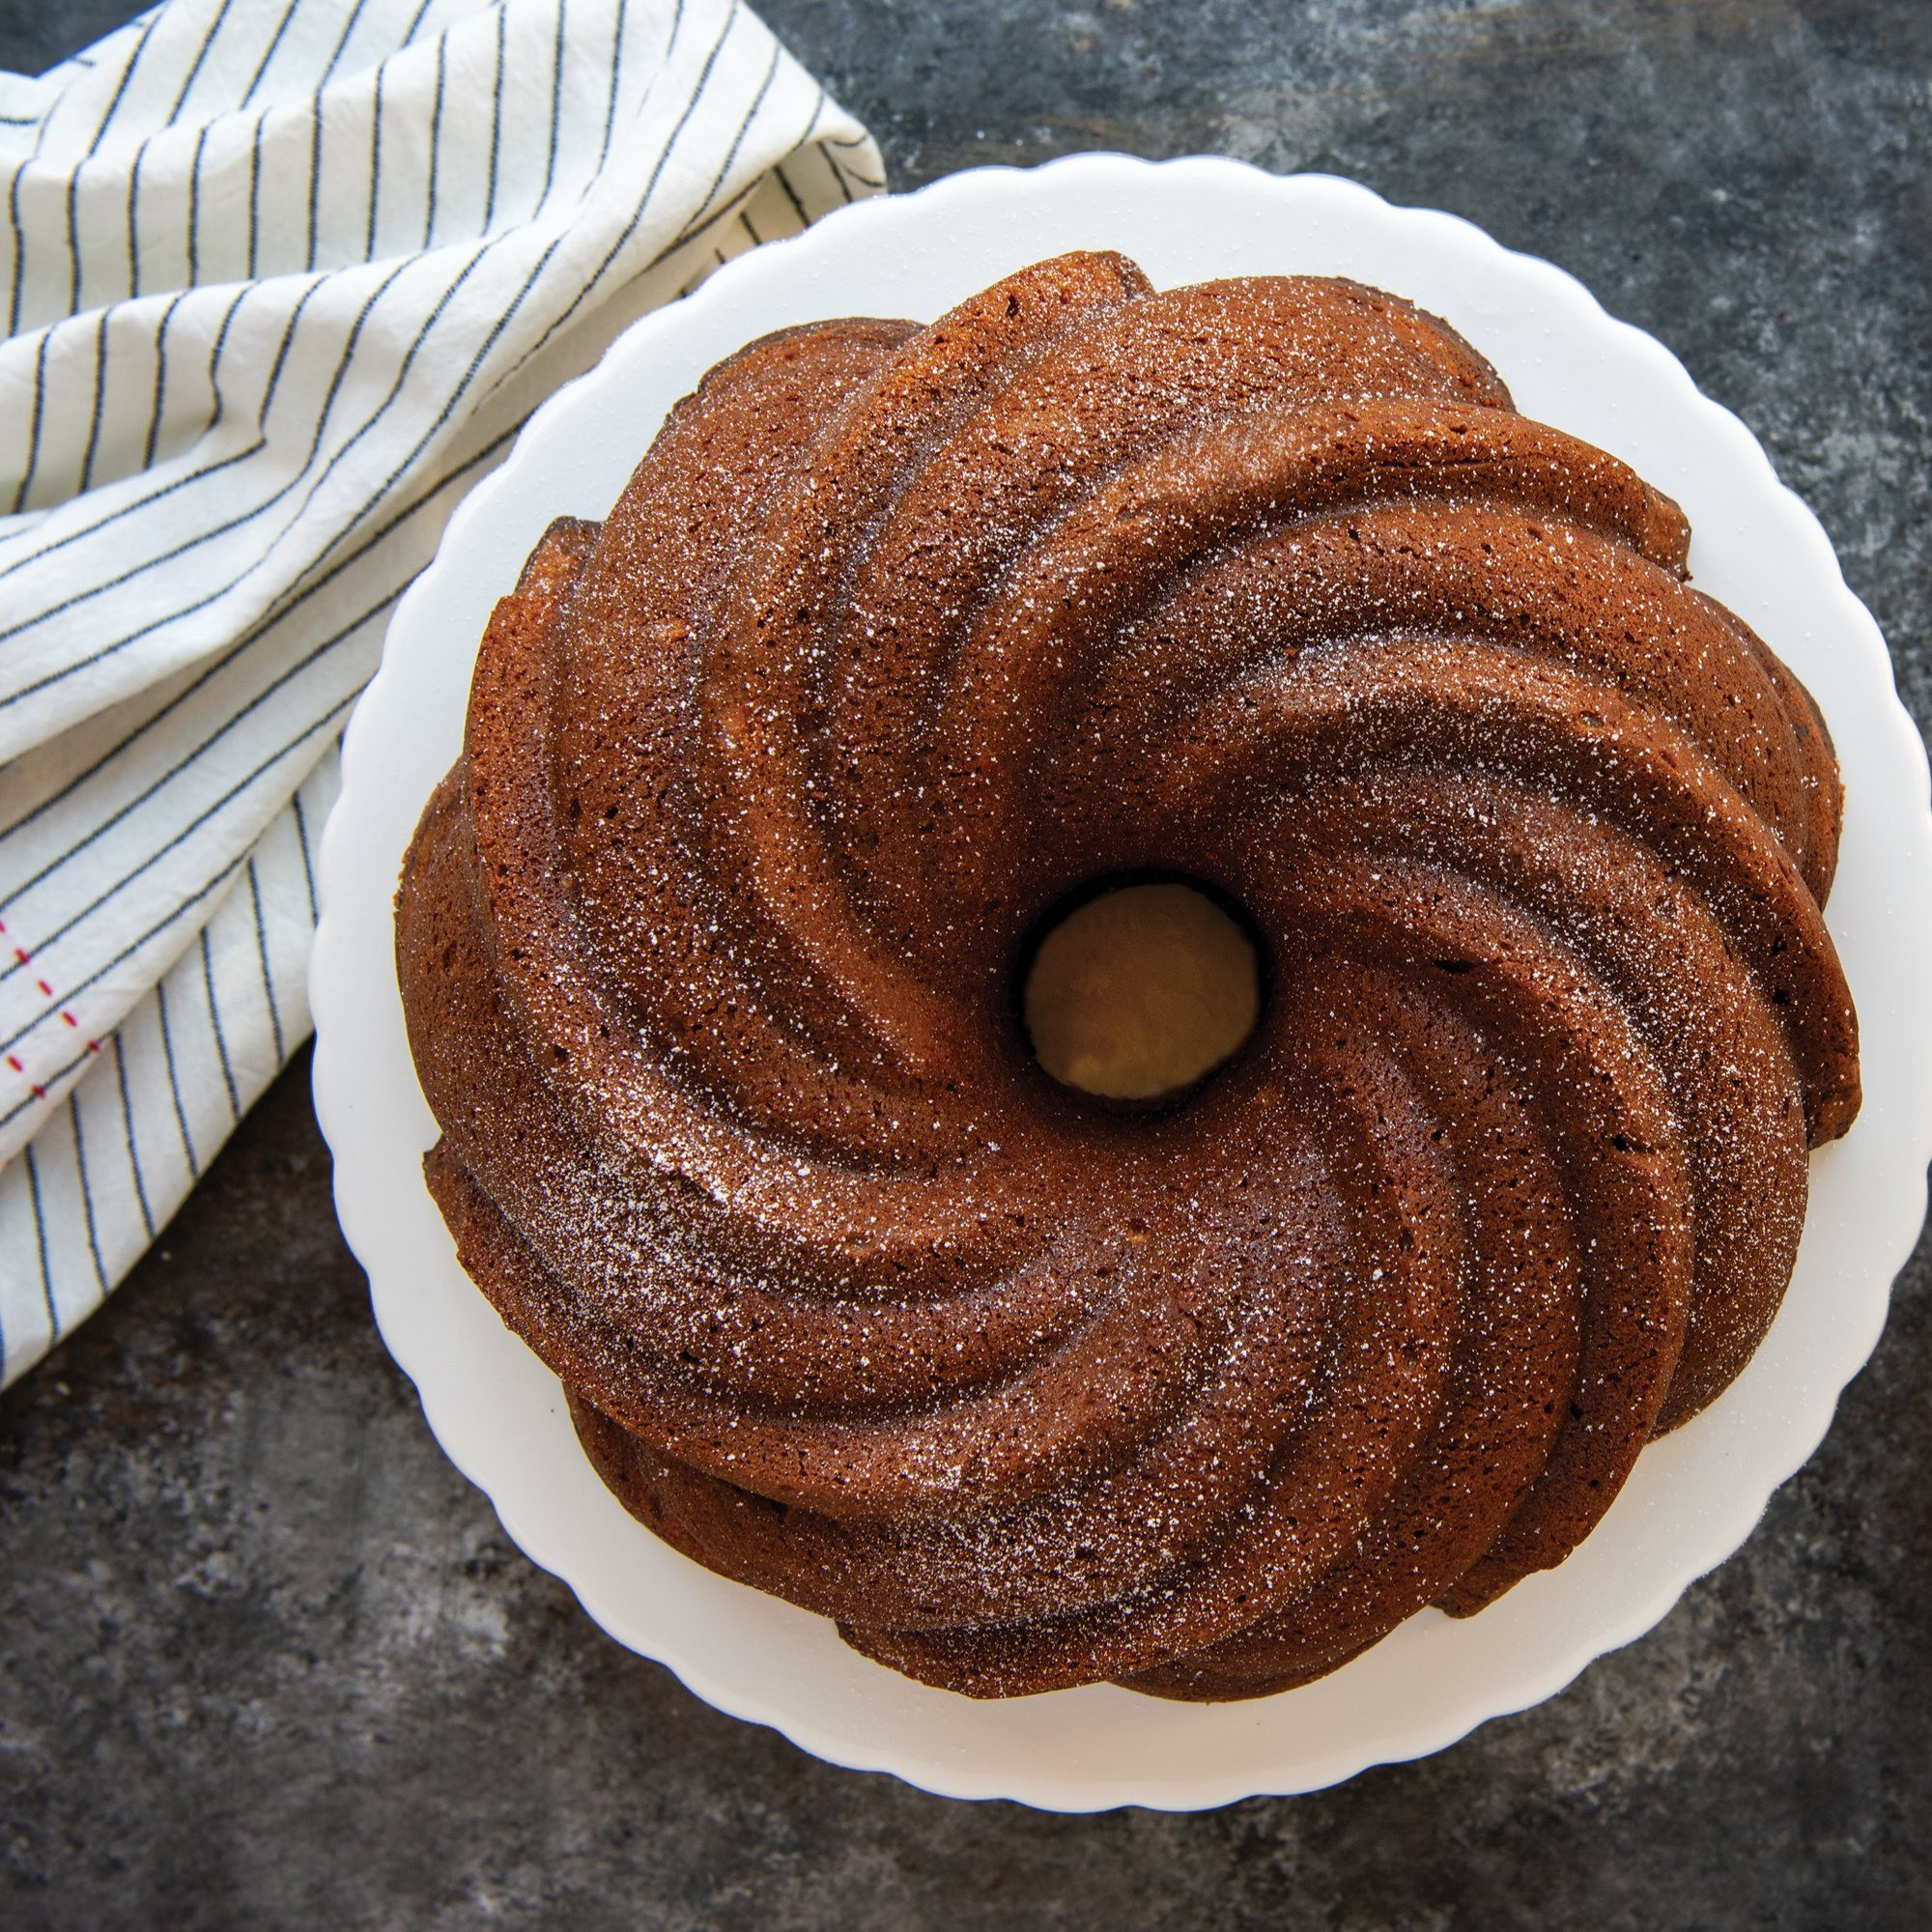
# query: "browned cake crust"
{"type": "Point", "coordinates": [708, 948]}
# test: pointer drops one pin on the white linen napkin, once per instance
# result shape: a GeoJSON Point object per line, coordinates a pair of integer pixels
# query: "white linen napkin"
{"type": "Point", "coordinates": [281, 279]}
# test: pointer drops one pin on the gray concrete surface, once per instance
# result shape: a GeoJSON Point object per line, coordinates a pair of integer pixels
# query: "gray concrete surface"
{"type": "Point", "coordinates": [265, 1659]}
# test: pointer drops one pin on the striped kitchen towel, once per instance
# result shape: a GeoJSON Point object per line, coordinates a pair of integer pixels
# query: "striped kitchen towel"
{"type": "Point", "coordinates": [282, 278]}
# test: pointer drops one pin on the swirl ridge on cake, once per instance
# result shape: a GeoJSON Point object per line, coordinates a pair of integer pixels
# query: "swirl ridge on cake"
{"type": "Point", "coordinates": [900, 638]}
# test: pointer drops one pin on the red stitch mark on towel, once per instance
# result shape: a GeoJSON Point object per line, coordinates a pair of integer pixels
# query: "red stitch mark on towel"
{"type": "Point", "coordinates": [14, 1061]}
{"type": "Point", "coordinates": [21, 953]}
{"type": "Point", "coordinates": [45, 987]}
{"type": "Point", "coordinates": [40, 1092]}
{"type": "Point", "coordinates": [69, 1017]}
{"type": "Point", "coordinates": [93, 1047]}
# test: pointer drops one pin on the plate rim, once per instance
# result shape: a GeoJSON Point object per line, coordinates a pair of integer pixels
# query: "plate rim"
{"type": "Point", "coordinates": [340, 889]}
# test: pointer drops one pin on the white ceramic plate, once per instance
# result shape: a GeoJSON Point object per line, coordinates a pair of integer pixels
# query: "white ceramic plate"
{"type": "Point", "coordinates": [1693, 1497]}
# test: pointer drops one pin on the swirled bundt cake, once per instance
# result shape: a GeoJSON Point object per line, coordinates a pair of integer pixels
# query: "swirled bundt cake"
{"type": "Point", "coordinates": [898, 639]}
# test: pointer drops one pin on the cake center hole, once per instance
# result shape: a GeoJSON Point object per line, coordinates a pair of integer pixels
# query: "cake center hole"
{"type": "Point", "coordinates": [1141, 991]}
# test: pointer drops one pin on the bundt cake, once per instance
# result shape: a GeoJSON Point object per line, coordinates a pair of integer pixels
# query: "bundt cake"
{"type": "Point", "coordinates": [898, 639]}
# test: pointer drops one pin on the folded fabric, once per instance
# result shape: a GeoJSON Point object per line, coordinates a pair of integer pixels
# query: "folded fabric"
{"type": "Point", "coordinates": [282, 283]}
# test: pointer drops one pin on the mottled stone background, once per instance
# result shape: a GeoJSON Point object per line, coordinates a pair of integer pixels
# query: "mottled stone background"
{"type": "Point", "coordinates": [267, 1659]}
